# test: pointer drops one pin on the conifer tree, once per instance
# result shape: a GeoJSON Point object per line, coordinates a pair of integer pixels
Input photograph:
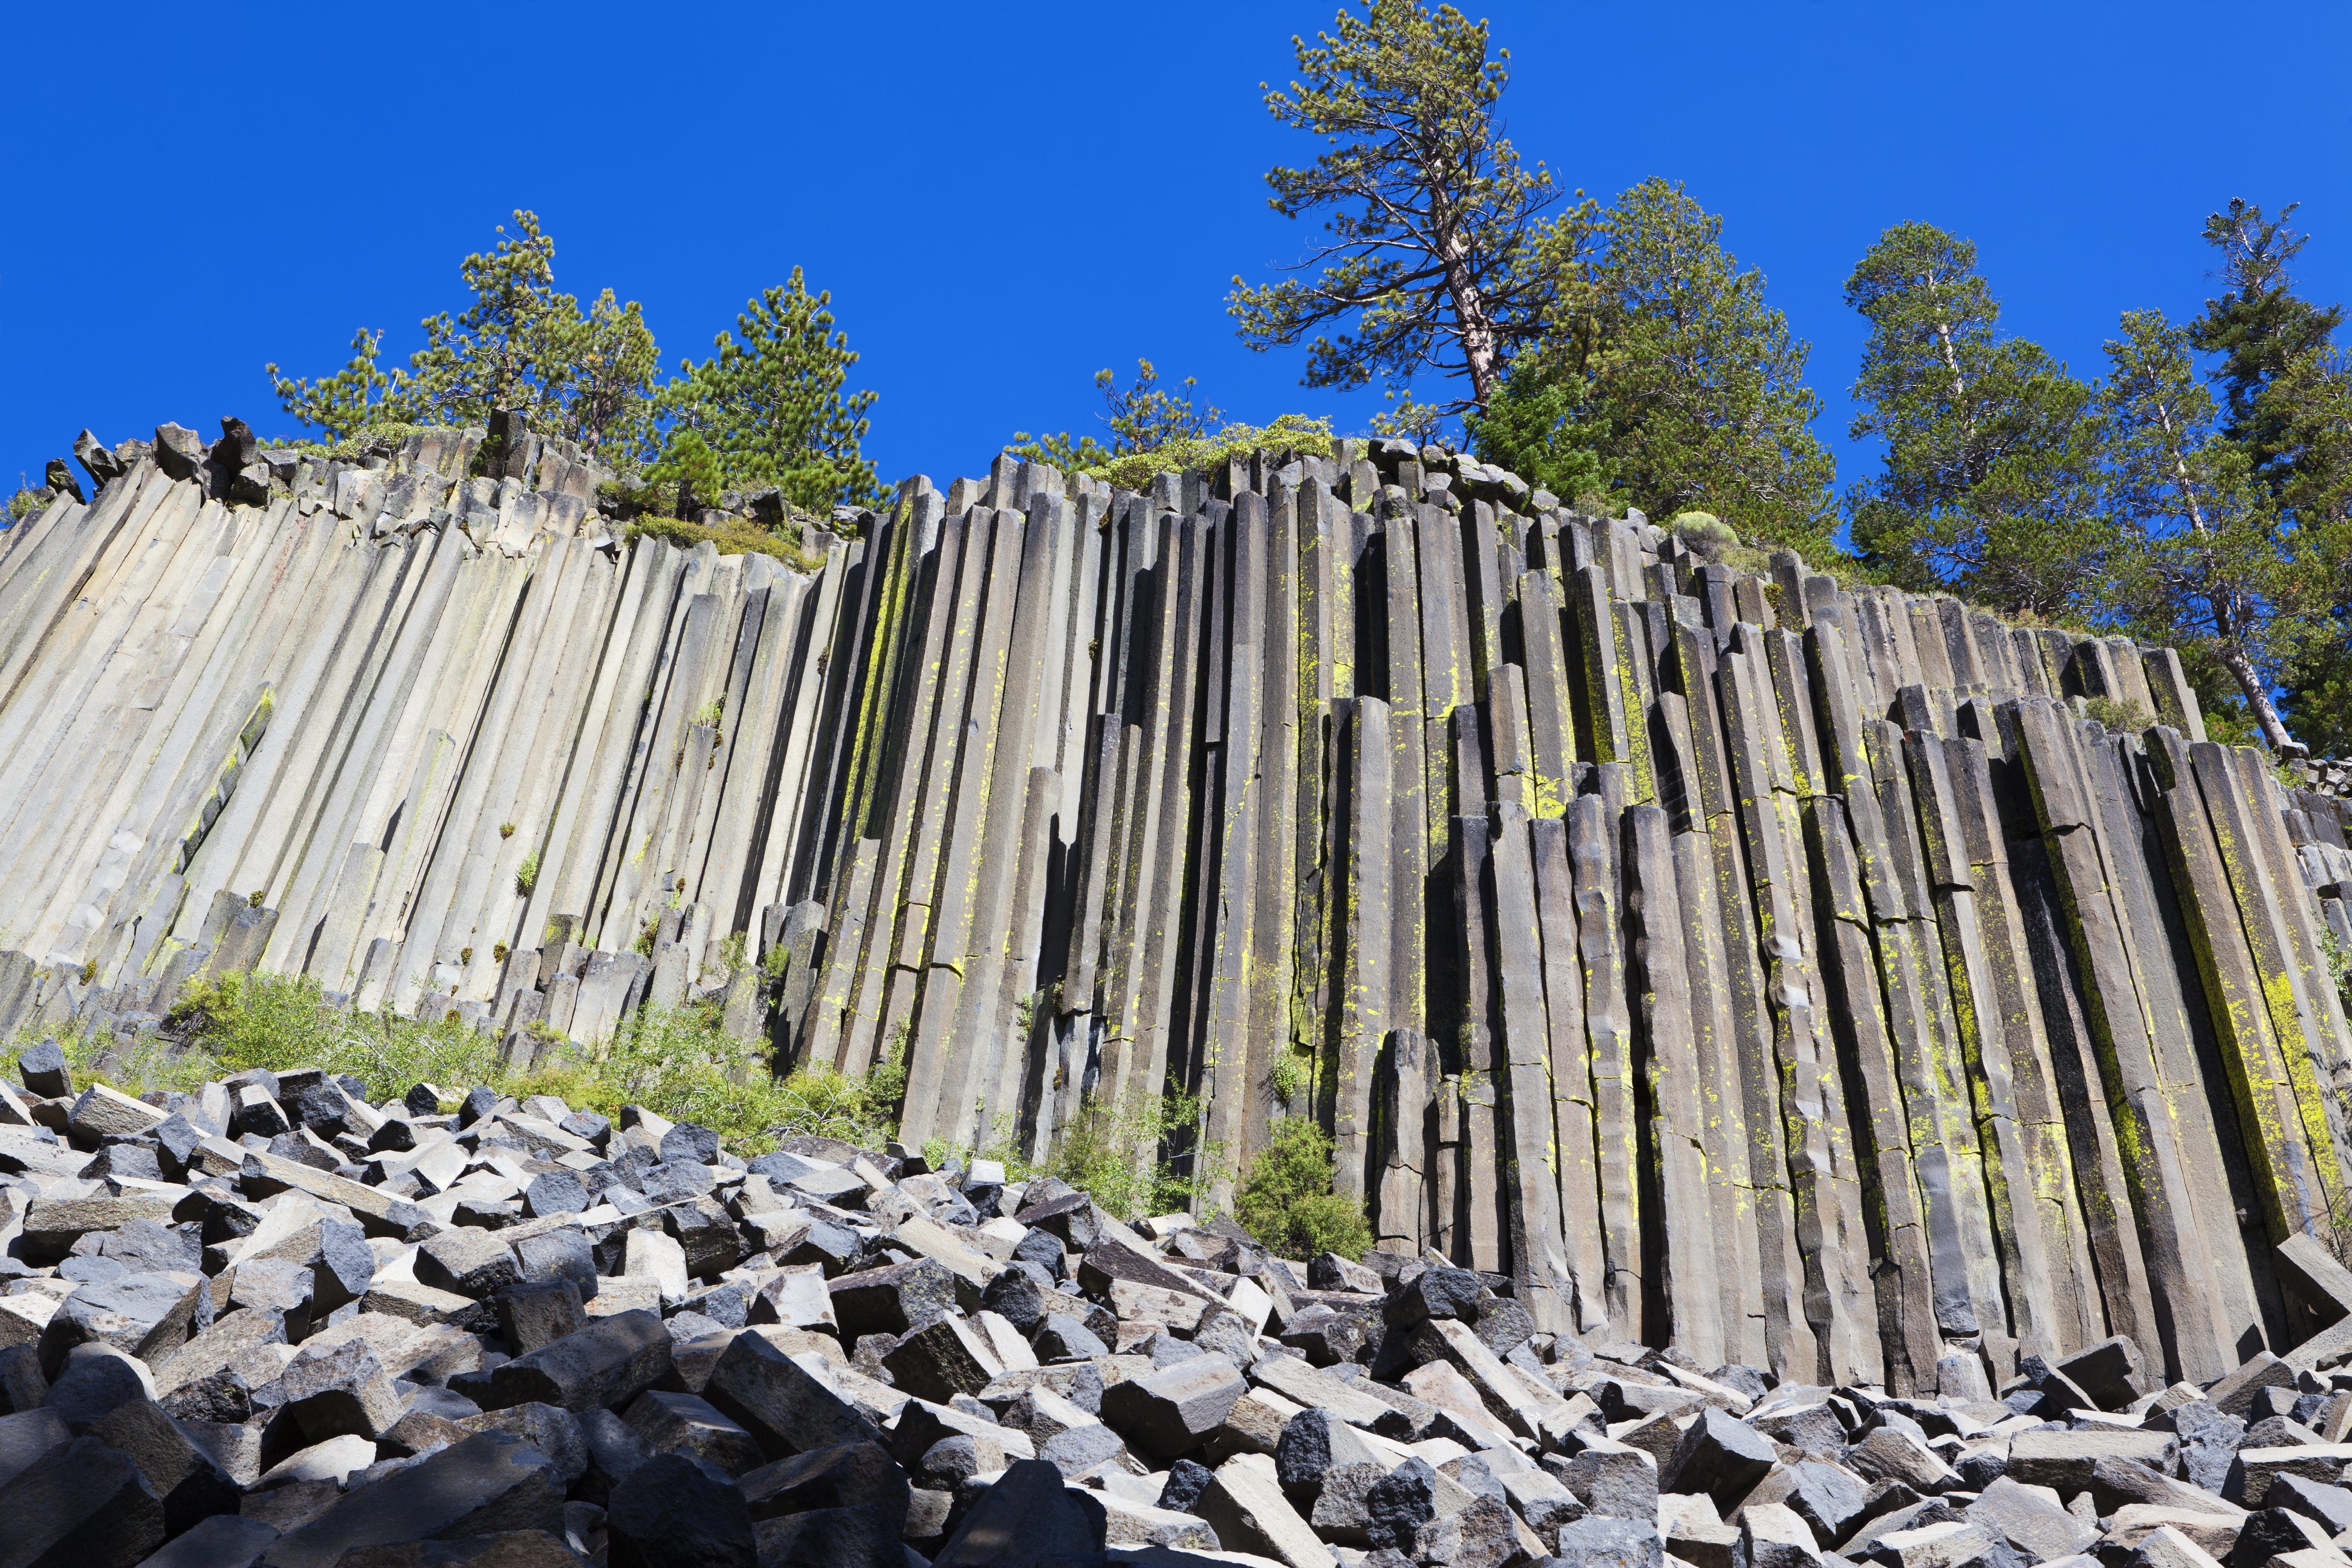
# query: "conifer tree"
{"type": "Point", "coordinates": [507, 349]}
{"type": "Point", "coordinates": [2266, 334]}
{"type": "Point", "coordinates": [2202, 564]}
{"type": "Point", "coordinates": [1665, 380]}
{"type": "Point", "coordinates": [1142, 416]}
{"type": "Point", "coordinates": [1431, 263]}
{"type": "Point", "coordinates": [769, 405]}
{"type": "Point", "coordinates": [520, 346]}
{"type": "Point", "coordinates": [610, 410]}
{"type": "Point", "coordinates": [358, 395]}
{"type": "Point", "coordinates": [1988, 484]}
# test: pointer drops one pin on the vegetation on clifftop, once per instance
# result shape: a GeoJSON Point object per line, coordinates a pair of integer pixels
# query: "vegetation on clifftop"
{"type": "Point", "coordinates": [769, 407]}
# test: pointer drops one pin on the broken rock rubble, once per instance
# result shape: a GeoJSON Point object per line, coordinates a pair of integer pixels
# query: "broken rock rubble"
{"type": "Point", "coordinates": [274, 1325]}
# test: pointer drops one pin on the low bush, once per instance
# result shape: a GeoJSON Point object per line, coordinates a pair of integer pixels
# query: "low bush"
{"type": "Point", "coordinates": [1287, 1202]}
{"type": "Point", "coordinates": [1119, 1153]}
{"type": "Point", "coordinates": [2121, 717]}
{"type": "Point", "coordinates": [674, 1061]}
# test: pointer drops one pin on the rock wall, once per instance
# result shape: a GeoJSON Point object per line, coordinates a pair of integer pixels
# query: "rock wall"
{"type": "Point", "coordinates": [1736, 962]}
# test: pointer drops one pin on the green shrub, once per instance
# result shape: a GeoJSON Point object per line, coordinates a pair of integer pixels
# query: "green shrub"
{"type": "Point", "coordinates": [1117, 1154]}
{"type": "Point", "coordinates": [2123, 717]}
{"type": "Point", "coordinates": [281, 1022]}
{"type": "Point", "coordinates": [729, 954]}
{"type": "Point", "coordinates": [2338, 959]}
{"type": "Point", "coordinates": [1706, 535]}
{"type": "Point", "coordinates": [1133, 471]}
{"type": "Point", "coordinates": [527, 875]}
{"type": "Point", "coordinates": [1287, 1201]}
{"type": "Point", "coordinates": [1289, 1075]}
{"type": "Point", "coordinates": [885, 1089]}
{"type": "Point", "coordinates": [134, 1065]}
{"type": "Point", "coordinates": [385, 437]}
{"type": "Point", "coordinates": [675, 1061]}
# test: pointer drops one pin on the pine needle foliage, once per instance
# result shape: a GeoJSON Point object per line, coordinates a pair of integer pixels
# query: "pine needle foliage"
{"type": "Point", "coordinates": [770, 407]}
{"type": "Point", "coordinates": [1430, 262]}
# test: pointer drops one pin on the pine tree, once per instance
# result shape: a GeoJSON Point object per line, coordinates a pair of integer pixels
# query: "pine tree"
{"type": "Point", "coordinates": [1665, 380]}
{"type": "Point", "coordinates": [611, 410]}
{"type": "Point", "coordinates": [358, 395]}
{"type": "Point", "coordinates": [506, 350]}
{"type": "Point", "coordinates": [520, 346]}
{"type": "Point", "coordinates": [1988, 484]}
{"type": "Point", "coordinates": [1434, 222]}
{"type": "Point", "coordinates": [2288, 393]}
{"type": "Point", "coordinates": [2264, 333]}
{"type": "Point", "coordinates": [1142, 418]}
{"type": "Point", "coordinates": [2204, 564]}
{"type": "Point", "coordinates": [771, 408]}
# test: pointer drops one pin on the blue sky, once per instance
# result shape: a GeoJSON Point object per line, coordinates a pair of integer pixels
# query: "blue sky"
{"type": "Point", "coordinates": [1003, 199]}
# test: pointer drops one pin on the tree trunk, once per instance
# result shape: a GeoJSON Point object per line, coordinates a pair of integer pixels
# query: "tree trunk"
{"type": "Point", "coordinates": [2226, 619]}
{"type": "Point", "coordinates": [2258, 698]}
{"type": "Point", "coordinates": [1473, 325]}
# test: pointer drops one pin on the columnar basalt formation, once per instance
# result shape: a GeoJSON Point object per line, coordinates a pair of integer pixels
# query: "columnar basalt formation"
{"type": "Point", "coordinates": [1731, 960]}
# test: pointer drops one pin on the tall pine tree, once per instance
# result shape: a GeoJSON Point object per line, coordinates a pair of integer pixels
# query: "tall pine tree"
{"type": "Point", "coordinates": [520, 346]}
{"type": "Point", "coordinates": [1988, 484]}
{"type": "Point", "coordinates": [2288, 393]}
{"type": "Point", "coordinates": [2200, 562]}
{"type": "Point", "coordinates": [2264, 334]}
{"type": "Point", "coordinates": [1430, 266]}
{"type": "Point", "coordinates": [1666, 381]}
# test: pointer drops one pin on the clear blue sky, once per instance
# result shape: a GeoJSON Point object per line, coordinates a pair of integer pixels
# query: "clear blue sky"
{"type": "Point", "coordinates": [1003, 199]}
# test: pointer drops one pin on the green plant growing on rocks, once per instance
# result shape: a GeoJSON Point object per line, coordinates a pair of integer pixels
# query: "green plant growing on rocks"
{"type": "Point", "coordinates": [1705, 534]}
{"type": "Point", "coordinates": [676, 1061]}
{"type": "Point", "coordinates": [2338, 956]}
{"type": "Point", "coordinates": [134, 1065]}
{"type": "Point", "coordinates": [1133, 471]}
{"type": "Point", "coordinates": [527, 874]}
{"type": "Point", "coordinates": [2123, 717]}
{"type": "Point", "coordinates": [1289, 1075]}
{"type": "Point", "coordinates": [732, 536]}
{"type": "Point", "coordinates": [730, 956]}
{"type": "Point", "coordinates": [1127, 1155]}
{"type": "Point", "coordinates": [281, 1022]}
{"type": "Point", "coordinates": [681, 1062]}
{"type": "Point", "coordinates": [1143, 417]}
{"type": "Point", "coordinates": [1287, 1199]}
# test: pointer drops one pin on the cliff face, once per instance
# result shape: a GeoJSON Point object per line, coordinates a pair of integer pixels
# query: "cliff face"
{"type": "Point", "coordinates": [1736, 962]}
